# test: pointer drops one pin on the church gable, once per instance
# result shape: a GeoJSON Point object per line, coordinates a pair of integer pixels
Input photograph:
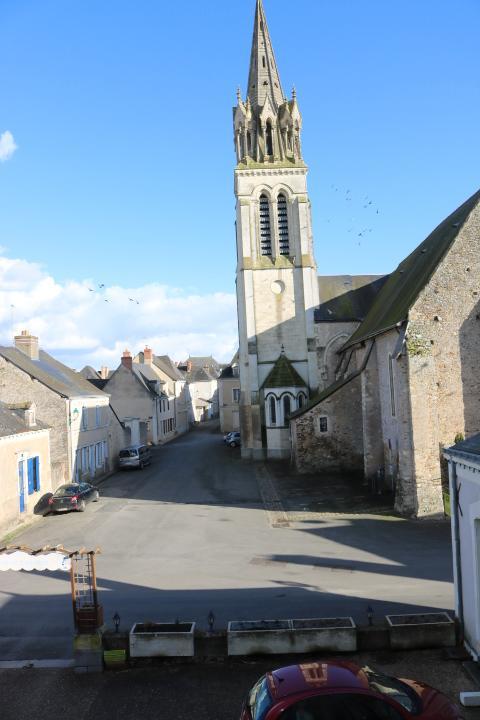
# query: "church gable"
{"type": "Point", "coordinates": [392, 304]}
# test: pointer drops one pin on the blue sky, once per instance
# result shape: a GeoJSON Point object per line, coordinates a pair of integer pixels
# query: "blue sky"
{"type": "Point", "coordinates": [122, 112]}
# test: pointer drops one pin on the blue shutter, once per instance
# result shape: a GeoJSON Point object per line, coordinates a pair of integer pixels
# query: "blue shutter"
{"type": "Point", "coordinates": [37, 472]}
{"type": "Point", "coordinates": [31, 476]}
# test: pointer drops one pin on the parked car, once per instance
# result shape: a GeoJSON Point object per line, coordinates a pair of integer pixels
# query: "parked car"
{"type": "Point", "coordinates": [73, 496]}
{"type": "Point", "coordinates": [135, 456]}
{"type": "Point", "coordinates": [340, 690]}
{"type": "Point", "coordinates": [226, 436]}
{"type": "Point", "coordinates": [233, 439]}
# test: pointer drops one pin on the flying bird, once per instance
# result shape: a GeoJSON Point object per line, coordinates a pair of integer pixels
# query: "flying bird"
{"type": "Point", "coordinates": [102, 285]}
{"type": "Point", "coordinates": [91, 289]}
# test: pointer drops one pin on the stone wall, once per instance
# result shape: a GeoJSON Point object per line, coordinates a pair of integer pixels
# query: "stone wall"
{"type": "Point", "coordinates": [443, 356]}
{"type": "Point", "coordinates": [340, 449]}
{"type": "Point", "coordinates": [16, 386]}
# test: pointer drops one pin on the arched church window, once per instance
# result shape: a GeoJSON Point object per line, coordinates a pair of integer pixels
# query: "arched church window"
{"type": "Point", "coordinates": [301, 400]}
{"type": "Point", "coordinates": [249, 143]}
{"type": "Point", "coordinates": [265, 233]}
{"type": "Point", "coordinates": [273, 410]}
{"type": "Point", "coordinates": [269, 139]}
{"type": "Point", "coordinates": [287, 406]}
{"type": "Point", "coordinates": [283, 238]}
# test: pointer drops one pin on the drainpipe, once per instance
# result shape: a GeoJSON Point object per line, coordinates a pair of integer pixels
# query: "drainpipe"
{"type": "Point", "coordinates": [452, 472]}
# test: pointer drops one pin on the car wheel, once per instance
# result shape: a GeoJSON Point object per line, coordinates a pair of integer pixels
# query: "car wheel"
{"type": "Point", "coordinates": [233, 444]}
{"type": "Point", "coordinates": [142, 465]}
{"type": "Point", "coordinates": [81, 506]}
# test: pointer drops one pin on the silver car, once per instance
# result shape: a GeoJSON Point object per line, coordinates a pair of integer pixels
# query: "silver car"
{"type": "Point", "coordinates": [135, 456]}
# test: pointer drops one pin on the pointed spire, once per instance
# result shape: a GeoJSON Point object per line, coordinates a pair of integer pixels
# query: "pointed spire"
{"type": "Point", "coordinates": [263, 78]}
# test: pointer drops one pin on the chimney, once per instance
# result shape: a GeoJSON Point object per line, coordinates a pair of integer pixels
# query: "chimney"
{"type": "Point", "coordinates": [28, 344]}
{"type": "Point", "coordinates": [147, 355]}
{"type": "Point", "coordinates": [189, 366]}
{"type": "Point", "coordinates": [127, 360]}
{"type": "Point", "coordinates": [104, 372]}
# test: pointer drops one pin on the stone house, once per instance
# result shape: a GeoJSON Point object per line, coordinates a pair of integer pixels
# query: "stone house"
{"type": "Point", "coordinates": [464, 484]}
{"type": "Point", "coordinates": [24, 463]}
{"type": "Point", "coordinates": [201, 374]}
{"type": "Point", "coordinates": [137, 398]}
{"type": "Point", "coordinates": [406, 380]}
{"type": "Point", "coordinates": [229, 397]}
{"type": "Point", "coordinates": [175, 420]}
{"type": "Point", "coordinates": [83, 436]}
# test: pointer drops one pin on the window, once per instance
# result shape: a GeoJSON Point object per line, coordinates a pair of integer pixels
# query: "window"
{"type": "Point", "coordinates": [236, 395]}
{"type": "Point", "coordinates": [263, 61]}
{"type": "Point", "coordinates": [98, 416]}
{"type": "Point", "coordinates": [273, 410]}
{"type": "Point", "coordinates": [99, 455]}
{"type": "Point", "coordinates": [269, 139]}
{"type": "Point", "coordinates": [84, 418]}
{"type": "Point", "coordinates": [301, 400]}
{"type": "Point", "coordinates": [265, 234]}
{"type": "Point", "coordinates": [351, 706]}
{"type": "Point", "coordinates": [287, 407]}
{"type": "Point", "coordinates": [85, 459]}
{"type": "Point", "coordinates": [323, 424]}
{"type": "Point", "coordinates": [105, 449]}
{"type": "Point", "coordinates": [33, 475]}
{"type": "Point", "coordinates": [283, 239]}
{"type": "Point", "coordinates": [392, 384]}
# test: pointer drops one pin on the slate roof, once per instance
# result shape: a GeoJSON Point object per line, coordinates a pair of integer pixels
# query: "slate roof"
{"type": "Point", "coordinates": [12, 423]}
{"type": "Point", "coordinates": [403, 286]}
{"type": "Point", "coordinates": [51, 373]}
{"type": "Point", "coordinates": [201, 375]}
{"type": "Point", "coordinates": [89, 373]}
{"type": "Point", "coordinates": [470, 446]}
{"type": "Point", "coordinates": [168, 367]}
{"type": "Point", "coordinates": [283, 374]}
{"type": "Point", "coordinates": [346, 298]}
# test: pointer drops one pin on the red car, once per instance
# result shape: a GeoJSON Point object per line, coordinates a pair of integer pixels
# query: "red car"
{"type": "Point", "coordinates": [343, 691]}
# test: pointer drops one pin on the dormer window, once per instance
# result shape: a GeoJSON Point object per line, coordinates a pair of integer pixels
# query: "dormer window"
{"type": "Point", "coordinates": [265, 232]}
{"type": "Point", "coordinates": [283, 238]}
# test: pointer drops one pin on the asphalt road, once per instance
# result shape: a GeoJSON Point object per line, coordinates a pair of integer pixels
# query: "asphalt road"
{"type": "Point", "coordinates": [197, 531]}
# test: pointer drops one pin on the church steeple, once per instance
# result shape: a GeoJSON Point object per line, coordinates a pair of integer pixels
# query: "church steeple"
{"type": "Point", "coordinates": [267, 126]}
{"type": "Point", "coordinates": [263, 77]}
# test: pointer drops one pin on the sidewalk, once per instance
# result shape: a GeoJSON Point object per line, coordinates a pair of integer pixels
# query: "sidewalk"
{"type": "Point", "coordinates": [211, 691]}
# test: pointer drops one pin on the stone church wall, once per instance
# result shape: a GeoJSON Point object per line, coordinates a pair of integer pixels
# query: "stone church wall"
{"type": "Point", "coordinates": [340, 449]}
{"type": "Point", "coordinates": [443, 354]}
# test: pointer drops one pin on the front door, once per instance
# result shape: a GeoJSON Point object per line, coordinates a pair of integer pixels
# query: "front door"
{"type": "Point", "coordinates": [21, 486]}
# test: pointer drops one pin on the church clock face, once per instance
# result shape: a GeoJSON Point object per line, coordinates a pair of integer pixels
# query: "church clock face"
{"type": "Point", "coordinates": [277, 287]}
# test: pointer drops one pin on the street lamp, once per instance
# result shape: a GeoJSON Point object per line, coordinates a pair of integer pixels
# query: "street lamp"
{"type": "Point", "coordinates": [116, 620]}
{"type": "Point", "coordinates": [211, 620]}
{"type": "Point", "coordinates": [370, 615]}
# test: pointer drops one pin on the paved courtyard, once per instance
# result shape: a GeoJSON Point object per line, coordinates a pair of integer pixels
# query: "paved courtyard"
{"type": "Point", "coordinates": [202, 530]}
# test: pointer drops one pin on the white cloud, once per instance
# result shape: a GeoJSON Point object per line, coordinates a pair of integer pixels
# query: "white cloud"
{"type": "Point", "coordinates": [7, 145]}
{"type": "Point", "coordinates": [82, 327]}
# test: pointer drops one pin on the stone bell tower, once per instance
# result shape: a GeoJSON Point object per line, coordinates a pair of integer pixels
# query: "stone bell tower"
{"type": "Point", "coordinates": [277, 287]}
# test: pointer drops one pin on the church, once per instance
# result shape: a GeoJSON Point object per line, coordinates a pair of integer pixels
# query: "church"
{"type": "Point", "coordinates": [371, 375]}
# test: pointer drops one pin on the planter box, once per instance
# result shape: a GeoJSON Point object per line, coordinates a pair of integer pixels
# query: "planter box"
{"type": "Point", "coordinates": [162, 640]}
{"type": "Point", "coordinates": [267, 637]}
{"type": "Point", "coordinates": [422, 630]}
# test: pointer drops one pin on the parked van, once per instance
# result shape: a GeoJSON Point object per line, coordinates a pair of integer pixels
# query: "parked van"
{"type": "Point", "coordinates": [135, 456]}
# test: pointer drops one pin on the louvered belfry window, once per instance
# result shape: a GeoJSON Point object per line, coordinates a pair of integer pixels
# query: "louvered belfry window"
{"type": "Point", "coordinates": [283, 239]}
{"type": "Point", "coordinates": [265, 232]}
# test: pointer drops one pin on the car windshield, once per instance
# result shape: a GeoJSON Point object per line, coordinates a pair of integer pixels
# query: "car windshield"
{"type": "Point", "coordinates": [260, 700]}
{"type": "Point", "coordinates": [393, 689]}
{"type": "Point", "coordinates": [128, 453]}
{"type": "Point", "coordinates": [66, 491]}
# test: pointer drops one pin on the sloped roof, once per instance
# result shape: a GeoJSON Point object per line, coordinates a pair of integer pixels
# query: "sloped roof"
{"type": "Point", "coordinates": [168, 367]}
{"type": "Point", "coordinates": [51, 373]}
{"type": "Point", "coordinates": [11, 422]}
{"type": "Point", "coordinates": [403, 286]}
{"type": "Point", "coordinates": [345, 298]}
{"type": "Point", "coordinates": [470, 446]}
{"type": "Point", "coordinates": [201, 375]}
{"type": "Point", "coordinates": [283, 374]}
{"type": "Point", "coordinates": [89, 373]}
{"type": "Point", "coordinates": [334, 387]}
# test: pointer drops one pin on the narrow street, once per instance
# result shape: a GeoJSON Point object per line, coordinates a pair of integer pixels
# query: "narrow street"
{"type": "Point", "coordinates": [202, 530]}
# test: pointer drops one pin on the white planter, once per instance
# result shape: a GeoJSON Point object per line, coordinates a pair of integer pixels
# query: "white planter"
{"type": "Point", "coordinates": [162, 640]}
{"type": "Point", "coordinates": [421, 630]}
{"type": "Point", "coordinates": [269, 637]}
